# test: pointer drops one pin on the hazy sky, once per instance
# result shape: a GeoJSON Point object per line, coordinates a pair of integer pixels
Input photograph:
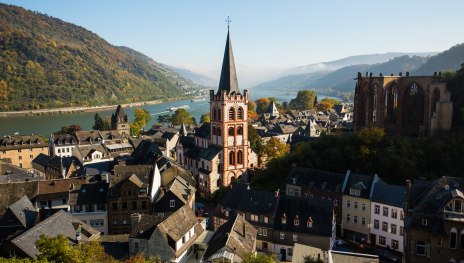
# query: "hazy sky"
{"type": "Point", "coordinates": [267, 35]}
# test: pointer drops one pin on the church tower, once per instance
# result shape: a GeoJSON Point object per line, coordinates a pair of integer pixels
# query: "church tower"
{"type": "Point", "coordinates": [120, 121]}
{"type": "Point", "coordinates": [229, 121]}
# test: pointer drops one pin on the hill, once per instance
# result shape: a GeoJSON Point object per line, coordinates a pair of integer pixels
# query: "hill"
{"type": "Point", "coordinates": [52, 63]}
{"type": "Point", "coordinates": [449, 60]}
{"type": "Point", "coordinates": [195, 77]}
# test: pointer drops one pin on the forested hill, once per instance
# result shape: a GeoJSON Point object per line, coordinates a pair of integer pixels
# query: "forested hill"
{"type": "Point", "coordinates": [46, 62]}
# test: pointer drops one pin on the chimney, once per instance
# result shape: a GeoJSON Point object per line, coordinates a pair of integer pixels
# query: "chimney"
{"type": "Point", "coordinates": [370, 74]}
{"type": "Point", "coordinates": [135, 218]}
{"type": "Point", "coordinates": [435, 74]}
{"type": "Point", "coordinates": [367, 74]}
{"type": "Point", "coordinates": [391, 74]}
{"type": "Point", "coordinates": [439, 74]}
{"type": "Point", "coordinates": [401, 74]}
{"type": "Point", "coordinates": [380, 75]}
{"type": "Point", "coordinates": [407, 74]}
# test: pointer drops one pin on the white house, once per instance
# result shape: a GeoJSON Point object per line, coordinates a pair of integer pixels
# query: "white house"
{"type": "Point", "coordinates": [387, 216]}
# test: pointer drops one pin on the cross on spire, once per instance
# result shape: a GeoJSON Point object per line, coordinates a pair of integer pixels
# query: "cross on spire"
{"type": "Point", "coordinates": [228, 21]}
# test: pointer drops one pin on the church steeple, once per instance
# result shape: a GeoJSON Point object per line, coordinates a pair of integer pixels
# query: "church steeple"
{"type": "Point", "coordinates": [228, 81]}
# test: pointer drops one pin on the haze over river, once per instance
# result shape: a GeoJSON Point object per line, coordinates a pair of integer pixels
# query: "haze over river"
{"type": "Point", "coordinates": [46, 124]}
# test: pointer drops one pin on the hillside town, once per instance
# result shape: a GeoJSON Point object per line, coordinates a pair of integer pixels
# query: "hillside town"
{"type": "Point", "coordinates": [186, 193]}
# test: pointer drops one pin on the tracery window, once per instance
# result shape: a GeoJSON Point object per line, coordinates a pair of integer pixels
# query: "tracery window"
{"type": "Point", "coordinates": [240, 113]}
{"type": "Point", "coordinates": [231, 114]}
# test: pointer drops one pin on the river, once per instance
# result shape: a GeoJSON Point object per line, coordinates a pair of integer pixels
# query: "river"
{"type": "Point", "coordinates": [46, 124]}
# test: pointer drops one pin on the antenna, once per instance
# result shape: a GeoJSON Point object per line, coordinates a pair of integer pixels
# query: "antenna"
{"type": "Point", "coordinates": [228, 21]}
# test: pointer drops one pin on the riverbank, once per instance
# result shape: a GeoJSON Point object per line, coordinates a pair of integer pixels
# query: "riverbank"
{"type": "Point", "coordinates": [80, 109]}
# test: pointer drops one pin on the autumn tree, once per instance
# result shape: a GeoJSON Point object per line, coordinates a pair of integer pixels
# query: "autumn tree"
{"type": "Point", "coordinates": [276, 148]}
{"type": "Point", "coordinates": [70, 129]}
{"type": "Point", "coordinates": [182, 116]}
{"type": "Point", "coordinates": [260, 258]}
{"type": "Point", "coordinates": [205, 118]}
{"type": "Point", "coordinates": [327, 104]}
{"type": "Point", "coordinates": [141, 119]}
{"type": "Point", "coordinates": [262, 104]}
{"type": "Point", "coordinates": [256, 143]}
{"type": "Point", "coordinates": [305, 100]}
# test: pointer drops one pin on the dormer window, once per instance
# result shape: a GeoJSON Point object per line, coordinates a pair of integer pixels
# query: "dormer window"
{"type": "Point", "coordinates": [355, 192]}
{"type": "Point", "coordinates": [284, 219]}
{"type": "Point", "coordinates": [457, 206]}
{"type": "Point", "coordinates": [296, 221]}
{"type": "Point", "coordinates": [309, 222]}
{"type": "Point", "coordinates": [424, 222]}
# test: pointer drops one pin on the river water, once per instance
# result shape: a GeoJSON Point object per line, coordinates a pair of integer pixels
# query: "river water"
{"type": "Point", "coordinates": [47, 124]}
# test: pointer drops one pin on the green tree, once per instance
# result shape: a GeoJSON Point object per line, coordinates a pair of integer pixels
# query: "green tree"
{"type": "Point", "coordinates": [166, 118]}
{"type": "Point", "coordinates": [182, 116]}
{"type": "Point", "coordinates": [312, 259]}
{"type": "Point", "coordinates": [260, 258]}
{"type": "Point", "coordinates": [327, 104]}
{"type": "Point", "coordinates": [71, 129]}
{"type": "Point", "coordinates": [141, 119]}
{"type": "Point", "coordinates": [205, 118]}
{"type": "Point", "coordinates": [305, 100]}
{"type": "Point", "coordinates": [276, 148]}
{"type": "Point", "coordinates": [56, 249]}
{"type": "Point", "coordinates": [256, 143]}
{"type": "Point", "coordinates": [100, 124]}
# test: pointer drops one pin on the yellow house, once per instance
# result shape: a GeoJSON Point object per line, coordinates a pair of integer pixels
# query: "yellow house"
{"type": "Point", "coordinates": [22, 149]}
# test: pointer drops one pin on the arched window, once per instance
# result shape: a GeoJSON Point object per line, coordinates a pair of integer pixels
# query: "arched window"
{"type": "Point", "coordinates": [392, 103]}
{"type": "Point", "coordinates": [240, 113]}
{"type": "Point", "coordinates": [219, 115]}
{"type": "Point", "coordinates": [219, 167]}
{"type": "Point", "coordinates": [232, 158]}
{"type": "Point", "coordinates": [435, 99]}
{"type": "Point", "coordinates": [231, 114]}
{"type": "Point", "coordinates": [413, 107]}
{"type": "Point", "coordinates": [213, 128]}
{"type": "Point", "coordinates": [239, 130]}
{"type": "Point", "coordinates": [240, 157]}
{"type": "Point", "coordinates": [218, 131]}
{"type": "Point", "coordinates": [214, 114]}
{"type": "Point", "coordinates": [373, 101]}
{"type": "Point", "coordinates": [453, 238]}
{"type": "Point", "coordinates": [231, 131]}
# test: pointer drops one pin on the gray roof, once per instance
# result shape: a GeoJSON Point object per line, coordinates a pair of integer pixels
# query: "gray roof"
{"type": "Point", "coordinates": [316, 179]}
{"type": "Point", "coordinates": [228, 81]}
{"type": "Point", "coordinates": [59, 223]}
{"type": "Point", "coordinates": [12, 192]}
{"type": "Point", "coordinates": [389, 194]}
{"type": "Point", "coordinates": [24, 211]}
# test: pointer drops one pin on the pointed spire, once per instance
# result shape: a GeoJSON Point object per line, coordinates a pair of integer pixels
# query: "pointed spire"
{"type": "Point", "coordinates": [272, 109]}
{"type": "Point", "coordinates": [228, 81]}
{"type": "Point", "coordinates": [183, 130]}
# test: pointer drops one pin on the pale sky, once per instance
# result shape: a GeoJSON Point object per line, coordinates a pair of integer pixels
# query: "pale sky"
{"type": "Point", "coordinates": [267, 35]}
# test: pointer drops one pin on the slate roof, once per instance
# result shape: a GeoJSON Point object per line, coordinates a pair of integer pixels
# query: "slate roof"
{"type": "Point", "coordinates": [236, 234]}
{"type": "Point", "coordinates": [24, 211]}
{"type": "Point", "coordinates": [389, 194]}
{"type": "Point", "coordinates": [228, 81]}
{"type": "Point", "coordinates": [59, 223]}
{"type": "Point", "coordinates": [82, 152]}
{"type": "Point", "coordinates": [146, 152]}
{"type": "Point", "coordinates": [85, 137]}
{"type": "Point", "coordinates": [320, 212]}
{"type": "Point", "coordinates": [359, 181]}
{"type": "Point", "coordinates": [187, 141]}
{"type": "Point", "coordinates": [64, 139]}
{"type": "Point", "coordinates": [204, 131]}
{"type": "Point", "coordinates": [40, 162]}
{"type": "Point", "coordinates": [89, 194]}
{"type": "Point", "coordinates": [243, 199]}
{"type": "Point", "coordinates": [12, 192]}
{"type": "Point", "coordinates": [208, 154]}
{"type": "Point", "coordinates": [11, 173]}
{"type": "Point", "coordinates": [119, 116]}
{"type": "Point", "coordinates": [56, 189]}
{"type": "Point", "coordinates": [146, 225]}
{"type": "Point", "coordinates": [316, 179]}
{"type": "Point", "coordinates": [122, 172]}
{"type": "Point", "coordinates": [21, 141]}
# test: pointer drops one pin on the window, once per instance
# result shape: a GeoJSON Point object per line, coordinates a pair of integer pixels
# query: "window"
{"type": "Point", "coordinates": [453, 238]}
{"type": "Point", "coordinates": [265, 232]}
{"type": "Point", "coordinates": [290, 192]}
{"type": "Point", "coordinates": [348, 203]}
{"type": "Point", "coordinates": [355, 192]}
{"type": "Point", "coordinates": [266, 219]}
{"type": "Point", "coordinates": [363, 221]}
{"type": "Point", "coordinates": [144, 204]}
{"type": "Point", "coordinates": [336, 202]}
{"type": "Point", "coordinates": [239, 130]}
{"type": "Point", "coordinates": [355, 219]}
{"type": "Point", "coordinates": [240, 157]}
{"type": "Point", "coordinates": [214, 114]}
{"type": "Point", "coordinates": [172, 203]}
{"type": "Point", "coordinates": [382, 240]}
{"type": "Point", "coordinates": [376, 224]}
{"type": "Point", "coordinates": [282, 235]}
{"type": "Point", "coordinates": [384, 226]}
{"type": "Point", "coordinates": [295, 237]}
{"type": "Point", "coordinates": [355, 205]}
{"type": "Point", "coordinates": [401, 215]}
{"type": "Point", "coordinates": [231, 131]}
{"type": "Point", "coordinates": [394, 213]}
{"type": "Point", "coordinates": [401, 231]}
{"type": "Point", "coordinates": [219, 115]}
{"type": "Point", "coordinates": [296, 221]}
{"type": "Point", "coordinates": [115, 221]}
{"type": "Point", "coordinates": [363, 207]}
{"type": "Point", "coordinates": [232, 158]}
{"type": "Point", "coordinates": [439, 242]}
{"type": "Point", "coordinates": [348, 217]}
{"type": "Point", "coordinates": [124, 221]}
{"type": "Point", "coordinates": [385, 211]}
{"type": "Point", "coordinates": [290, 251]}
{"type": "Point", "coordinates": [394, 244]}
{"type": "Point", "coordinates": [134, 205]}
{"type": "Point", "coordinates": [31, 156]}
{"type": "Point", "coordinates": [96, 222]}
{"type": "Point", "coordinates": [424, 222]}
{"type": "Point", "coordinates": [115, 206]}
{"type": "Point", "coordinates": [240, 113]}
{"type": "Point", "coordinates": [124, 206]}
{"type": "Point", "coordinates": [309, 222]}
{"type": "Point", "coordinates": [393, 229]}
{"type": "Point", "coordinates": [457, 206]}
{"type": "Point", "coordinates": [260, 231]}
{"type": "Point", "coordinates": [284, 219]}
{"type": "Point", "coordinates": [20, 157]}
{"type": "Point", "coordinates": [420, 248]}
{"type": "Point", "coordinates": [254, 218]}
{"type": "Point", "coordinates": [231, 114]}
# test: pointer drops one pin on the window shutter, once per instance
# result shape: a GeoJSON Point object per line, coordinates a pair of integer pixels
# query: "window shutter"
{"type": "Point", "coordinates": [412, 247]}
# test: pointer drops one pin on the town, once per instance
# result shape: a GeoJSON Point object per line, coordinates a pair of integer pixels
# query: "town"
{"type": "Point", "coordinates": [313, 179]}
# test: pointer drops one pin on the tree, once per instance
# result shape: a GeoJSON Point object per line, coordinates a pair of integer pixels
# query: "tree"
{"type": "Point", "coordinates": [71, 129]}
{"type": "Point", "coordinates": [327, 104]}
{"type": "Point", "coordinates": [256, 143]}
{"type": "Point", "coordinates": [166, 118]}
{"type": "Point", "coordinates": [141, 118]}
{"type": "Point", "coordinates": [251, 105]}
{"type": "Point", "coordinates": [205, 118]}
{"type": "Point", "coordinates": [276, 148]}
{"type": "Point", "coordinates": [101, 124]}
{"type": "Point", "coordinates": [312, 259]}
{"type": "Point", "coordinates": [305, 100]}
{"type": "Point", "coordinates": [56, 249]}
{"type": "Point", "coordinates": [260, 258]}
{"type": "Point", "coordinates": [261, 105]}
{"type": "Point", "coordinates": [182, 116]}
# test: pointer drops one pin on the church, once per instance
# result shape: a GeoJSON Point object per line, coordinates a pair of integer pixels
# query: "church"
{"type": "Point", "coordinates": [403, 105]}
{"type": "Point", "coordinates": [219, 152]}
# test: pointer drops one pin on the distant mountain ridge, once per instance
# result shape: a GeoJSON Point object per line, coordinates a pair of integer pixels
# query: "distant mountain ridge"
{"type": "Point", "coordinates": [52, 63]}
{"type": "Point", "coordinates": [195, 77]}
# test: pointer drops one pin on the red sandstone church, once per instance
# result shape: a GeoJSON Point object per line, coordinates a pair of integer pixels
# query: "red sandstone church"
{"type": "Point", "coordinates": [220, 152]}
